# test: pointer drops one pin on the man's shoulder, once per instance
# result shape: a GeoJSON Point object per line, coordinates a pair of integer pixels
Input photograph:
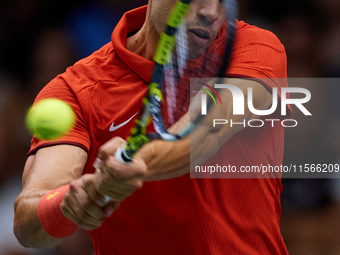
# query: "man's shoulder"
{"type": "Point", "coordinates": [249, 34]}
{"type": "Point", "coordinates": [103, 65]}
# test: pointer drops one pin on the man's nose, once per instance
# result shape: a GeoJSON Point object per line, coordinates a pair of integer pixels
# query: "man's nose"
{"type": "Point", "coordinates": [208, 9]}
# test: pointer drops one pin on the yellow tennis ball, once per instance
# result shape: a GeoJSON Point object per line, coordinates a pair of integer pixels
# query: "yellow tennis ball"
{"type": "Point", "coordinates": [50, 119]}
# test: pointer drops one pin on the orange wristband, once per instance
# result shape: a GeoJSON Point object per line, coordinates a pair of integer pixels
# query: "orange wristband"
{"type": "Point", "coordinates": [50, 215]}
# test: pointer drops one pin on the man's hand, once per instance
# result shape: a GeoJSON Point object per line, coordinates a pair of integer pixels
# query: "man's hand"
{"type": "Point", "coordinates": [83, 205]}
{"type": "Point", "coordinates": [114, 179]}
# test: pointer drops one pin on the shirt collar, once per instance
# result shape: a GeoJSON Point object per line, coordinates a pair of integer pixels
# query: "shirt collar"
{"type": "Point", "coordinates": [132, 21]}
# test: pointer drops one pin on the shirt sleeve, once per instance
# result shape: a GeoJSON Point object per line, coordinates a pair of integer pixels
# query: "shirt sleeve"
{"type": "Point", "coordinates": [259, 55]}
{"type": "Point", "coordinates": [79, 135]}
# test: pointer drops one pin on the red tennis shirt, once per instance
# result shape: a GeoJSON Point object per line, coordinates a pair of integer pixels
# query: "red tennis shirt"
{"type": "Point", "coordinates": [182, 215]}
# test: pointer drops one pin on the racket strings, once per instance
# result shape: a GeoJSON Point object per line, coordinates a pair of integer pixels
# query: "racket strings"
{"type": "Point", "coordinates": [176, 88]}
{"type": "Point", "coordinates": [173, 72]}
{"type": "Point", "coordinates": [177, 73]}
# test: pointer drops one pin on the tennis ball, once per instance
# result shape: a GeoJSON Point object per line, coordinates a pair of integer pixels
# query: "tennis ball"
{"type": "Point", "coordinates": [50, 118]}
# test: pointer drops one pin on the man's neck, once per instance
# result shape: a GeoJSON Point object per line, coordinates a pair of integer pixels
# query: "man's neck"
{"type": "Point", "coordinates": [144, 42]}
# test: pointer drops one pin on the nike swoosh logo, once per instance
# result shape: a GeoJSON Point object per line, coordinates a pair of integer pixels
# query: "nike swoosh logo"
{"type": "Point", "coordinates": [113, 128]}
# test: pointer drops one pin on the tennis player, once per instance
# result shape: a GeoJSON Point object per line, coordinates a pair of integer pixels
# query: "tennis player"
{"type": "Point", "coordinates": [162, 210]}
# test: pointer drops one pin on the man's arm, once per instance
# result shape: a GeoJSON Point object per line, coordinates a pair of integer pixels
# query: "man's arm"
{"type": "Point", "coordinates": [51, 168]}
{"type": "Point", "coordinates": [166, 160]}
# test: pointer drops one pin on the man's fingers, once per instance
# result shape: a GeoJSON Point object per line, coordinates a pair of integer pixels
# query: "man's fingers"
{"type": "Point", "coordinates": [91, 209]}
{"type": "Point", "coordinates": [75, 212]}
{"type": "Point", "coordinates": [71, 215]}
{"type": "Point", "coordinates": [90, 188]}
{"type": "Point", "coordinates": [117, 188]}
{"type": "Point", "coordinates": [131, 178]}
{"type": "Point", "coordinates": [85, 209]}
{"type": "Point", "coordinates": [114, 179]}
{"type": "Point", "coordinates": [119, 196]}
{"type": "Point", "coordinates": [111, 206]}
{"type": "Point", "coordinates": [137, 168]}
{"type": "Point", "coordinates": [110, 147]}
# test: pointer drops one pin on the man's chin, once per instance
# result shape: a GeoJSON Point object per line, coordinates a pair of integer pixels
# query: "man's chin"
{"type": "Point", "coordinates": [195, 54]}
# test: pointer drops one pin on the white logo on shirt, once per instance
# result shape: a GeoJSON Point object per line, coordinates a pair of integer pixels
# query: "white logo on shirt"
{"type": "Point", "coordinates": [113, 128]}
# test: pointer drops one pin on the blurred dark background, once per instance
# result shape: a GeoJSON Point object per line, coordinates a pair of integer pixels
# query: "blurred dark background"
{"type": "Point", "coordinates": [41, 38]}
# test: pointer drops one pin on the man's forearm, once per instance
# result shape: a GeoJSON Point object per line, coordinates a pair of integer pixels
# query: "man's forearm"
{"type": "Point", "coordinates": [49, 169]}
{"type": "Point", "coordinates": [167, 160]}
{"type": "Point", "coordinates": [175, 158]}
{"type": "Point", "coordinates": [27, 227]}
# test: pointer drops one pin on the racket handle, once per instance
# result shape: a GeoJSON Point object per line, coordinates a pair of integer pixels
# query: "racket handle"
{"type": "Point", "coordinates": [120, 156]}
{"type": "Point", "coordinates": [107, 199]}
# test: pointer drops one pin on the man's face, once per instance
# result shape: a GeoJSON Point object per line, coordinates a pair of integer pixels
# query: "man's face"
{"type": "Point", "coordinates": [204, 21]}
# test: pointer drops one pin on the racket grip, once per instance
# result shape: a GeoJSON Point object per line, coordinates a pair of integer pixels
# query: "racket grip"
{"type": "Point", "coordinates": [120, 156]}
{"type": "Point", "coordinates": [107, 199]}
{"type": "Point", "coordinates": [120, 159]}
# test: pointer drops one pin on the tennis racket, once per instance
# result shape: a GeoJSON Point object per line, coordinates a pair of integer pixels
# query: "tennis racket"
{"type": "Point", "coordinates": [168, 96]}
